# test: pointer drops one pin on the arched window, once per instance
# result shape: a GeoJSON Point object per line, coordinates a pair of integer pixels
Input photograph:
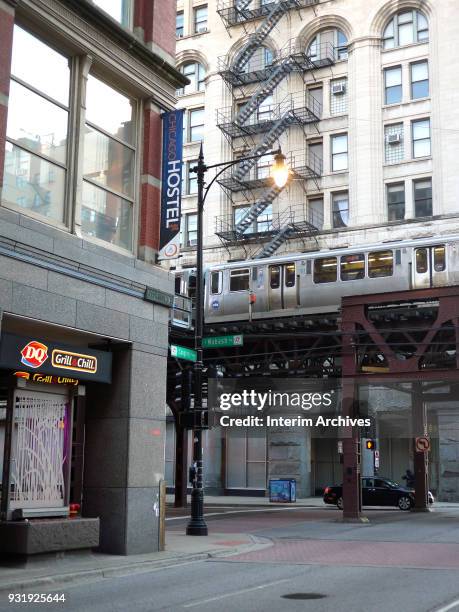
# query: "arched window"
{"type": "Point", "coordinates": [260, 60]}
{"type": "Point", "coordinates": [196, 73]}
{"type": "Point", "coordinates": [328, 44]}
{"type": "Point", "coordinates": [405, 28]}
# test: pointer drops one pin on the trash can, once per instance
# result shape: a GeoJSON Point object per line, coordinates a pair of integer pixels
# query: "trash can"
{"type": "Point", "coordinates": [282, 490]}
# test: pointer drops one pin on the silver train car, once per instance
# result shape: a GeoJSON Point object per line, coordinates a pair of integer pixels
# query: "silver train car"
{"type": "Point", "coordinates": [315, 282]}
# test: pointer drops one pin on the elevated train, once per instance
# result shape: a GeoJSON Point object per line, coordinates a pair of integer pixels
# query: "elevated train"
{"type": "Point", "coordinates": [315, 282]}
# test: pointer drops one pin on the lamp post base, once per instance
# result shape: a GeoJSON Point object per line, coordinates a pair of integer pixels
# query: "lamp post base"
{"type": "Point", "coordinates": [197, 526]}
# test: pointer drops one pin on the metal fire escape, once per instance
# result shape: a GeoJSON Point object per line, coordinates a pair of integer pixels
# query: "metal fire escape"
{"type": "Point", "coordinates": [254, 117]}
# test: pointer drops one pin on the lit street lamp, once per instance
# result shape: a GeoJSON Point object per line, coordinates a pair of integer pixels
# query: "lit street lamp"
{"type": "Point", "coordinates": [280, 174]}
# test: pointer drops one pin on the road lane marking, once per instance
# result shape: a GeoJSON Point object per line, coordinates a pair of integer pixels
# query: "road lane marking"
{"type": "Point", "coordinates": [448, 607]}
{"type": "Point", "coordinates": [235, 593]}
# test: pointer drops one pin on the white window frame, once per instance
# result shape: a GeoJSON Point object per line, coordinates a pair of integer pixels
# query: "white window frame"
{"type": "Point", "coordinates": [414, 141]}
{"type": "Point", "coordinates": [334, 154]}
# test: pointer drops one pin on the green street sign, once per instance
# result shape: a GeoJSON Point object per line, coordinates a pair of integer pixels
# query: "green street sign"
{"type": "Point", "coordinates": [158, 297]}
{"type": "Point", "coordinates": [181, 352]}
{"type": "Point", "coordinates": [222, 341]}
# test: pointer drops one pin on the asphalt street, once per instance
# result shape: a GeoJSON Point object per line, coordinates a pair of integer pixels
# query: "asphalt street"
{"type": "Point", "coordinates": [399, 561]}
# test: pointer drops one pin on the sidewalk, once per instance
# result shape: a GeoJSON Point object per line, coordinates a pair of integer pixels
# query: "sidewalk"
{"type": "Point", "coordinates": [239, 500]}
{"type": "Point", "coordinates": [54, 573]}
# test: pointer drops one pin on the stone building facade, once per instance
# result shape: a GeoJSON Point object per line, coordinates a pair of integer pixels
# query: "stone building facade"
{"type": "Point", "coordinates": [375, 163]}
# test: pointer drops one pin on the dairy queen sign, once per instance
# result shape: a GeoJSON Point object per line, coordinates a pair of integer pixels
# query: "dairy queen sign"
{"type": "Point", "coordinates": [31, 354]}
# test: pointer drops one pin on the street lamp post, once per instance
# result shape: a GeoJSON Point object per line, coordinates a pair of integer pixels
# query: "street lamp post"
{"type": "Point", "coordinates": [280, 174]}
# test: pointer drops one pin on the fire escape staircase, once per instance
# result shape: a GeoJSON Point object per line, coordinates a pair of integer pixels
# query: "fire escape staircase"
{"type": "Point", "coordinates": [287, 116]}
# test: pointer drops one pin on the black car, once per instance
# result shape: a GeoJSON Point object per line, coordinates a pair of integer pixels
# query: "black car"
{"type": "Point", "coordinates": [376, 492]}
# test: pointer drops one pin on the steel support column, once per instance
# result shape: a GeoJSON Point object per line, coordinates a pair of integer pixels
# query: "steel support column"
{"type": "Point", "coordinates": [419, 418]}
{"type": "Point", "coordinates": [351, 438]}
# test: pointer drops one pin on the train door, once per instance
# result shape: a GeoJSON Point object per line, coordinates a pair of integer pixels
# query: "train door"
{"type": "Point", "coordinates": [429, 267]}
{"type": "Point", "coordinates": [282, 286]}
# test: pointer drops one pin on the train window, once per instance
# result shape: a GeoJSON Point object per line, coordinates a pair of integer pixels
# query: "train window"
{"type": "Point", "coordinates": [289, 272]}
{"type": "Point", "coordinates": [254, 273]}
{"type": "Point", "coordinates": [422, 261]}
{"type": "Point", "coordinates": [325, 270]}
{"type": "Point", "coordinates": [215, 282]}
{"type": "Point", "coordinates": [178, 284]}
{"type": "Point", "coordinates": [439, 258]}
{"type": "Point", "coordinates": [274, 277]}
{"type": "Point", "coordinates": [192, 287]}
{"type": "Point", "coordinates": [239, 280]}
{"type": "Point", "coordinates": [380, 264]}
{"type": "Point", "coordinates": [352, 267]}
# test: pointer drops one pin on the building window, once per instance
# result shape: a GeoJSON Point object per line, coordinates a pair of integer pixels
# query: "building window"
{"type": "Point", "coordinates": [36, 161]}
{"type": "Point", "coordinates": [190, 230]}
{"type": "Point", "coordinates": [316, 212]}
{"type": "Point", "coordinates": [315, 157]}
{"type": "Point", "coordinates": [200, 19]}
{"type": "Point", "coordinates": [405, 28]}
{"type": "Point", "coordinates": [338, 96]}
{"type": "Point", "coordinates": [193, 125]}
{"type": "Point", "coordinates": [315, 100]}
{"type": "Point", "coordinates": [327, 45]}
{"type": "Point", "coordinates": [263, 167]}
{"type": "Point", "coordinates": [393, 85]}
{"type": "Point", "coordinates": [120, 10]}
{"type": "Point", "coordinates": [260, 60]}
{"type": "Point", "coordinates": [263, 223]}
{"type": "Point", "coordinates": [421, 138]}
{"type": "Point", "coordinates": [339, 152]}
{"type": "Point", "coordinates": [422, 197]}
{"type": "Point", "coordinates": [393, 143]}
{"type": "Point", "coordinates": [108, 165]}
{"type": "Point", "coordinates": [196, 73]}
{"type": "Point", "coordinates": [419, 80]}
{"type": "Point", "coordinates": [189, 179]}
{"type": "Point", "coordinates": [265, 110]}
{"type": "Point", "coordinates": [179, 25]}
{"type": "Point", "coordinates": [340, 209]}
{"type": "Point", "coordinates": [396, 202]}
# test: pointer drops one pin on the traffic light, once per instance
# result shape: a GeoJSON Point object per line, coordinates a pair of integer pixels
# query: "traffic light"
{"type": "Point", "coordinates": [370, 445]}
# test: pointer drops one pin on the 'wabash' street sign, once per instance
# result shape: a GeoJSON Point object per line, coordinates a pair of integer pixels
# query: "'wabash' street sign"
{"type": "Point", "coordinates": [182, 352]}
{"type": "Point", "coordinates": [222, 341]}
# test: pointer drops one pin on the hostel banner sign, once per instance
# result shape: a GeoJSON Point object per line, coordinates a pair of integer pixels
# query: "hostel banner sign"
{"type": "Point", "coordinates": [171, 192]}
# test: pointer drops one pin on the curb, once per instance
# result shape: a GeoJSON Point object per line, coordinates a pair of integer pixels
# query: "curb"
{"type": "Point", "coordinates": [56, 581]}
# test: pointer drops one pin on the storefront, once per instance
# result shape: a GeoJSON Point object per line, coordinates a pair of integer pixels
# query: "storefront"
{"type": "Point", "coordinates": [43, 393]}
{"type": "Point", "coordinates": [43, 389]}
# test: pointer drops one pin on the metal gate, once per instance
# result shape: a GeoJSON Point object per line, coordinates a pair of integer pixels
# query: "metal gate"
{"type": "Point", "coordinates": [40, 447]}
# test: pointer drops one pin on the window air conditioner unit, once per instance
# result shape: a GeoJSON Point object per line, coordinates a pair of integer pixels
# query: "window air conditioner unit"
{"type": "Point", "coordinates": [394, 139]}
{"type": "Point", "coordinates": [338, 88]}
{"type": "Point", "coordinates": [202, 29]}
